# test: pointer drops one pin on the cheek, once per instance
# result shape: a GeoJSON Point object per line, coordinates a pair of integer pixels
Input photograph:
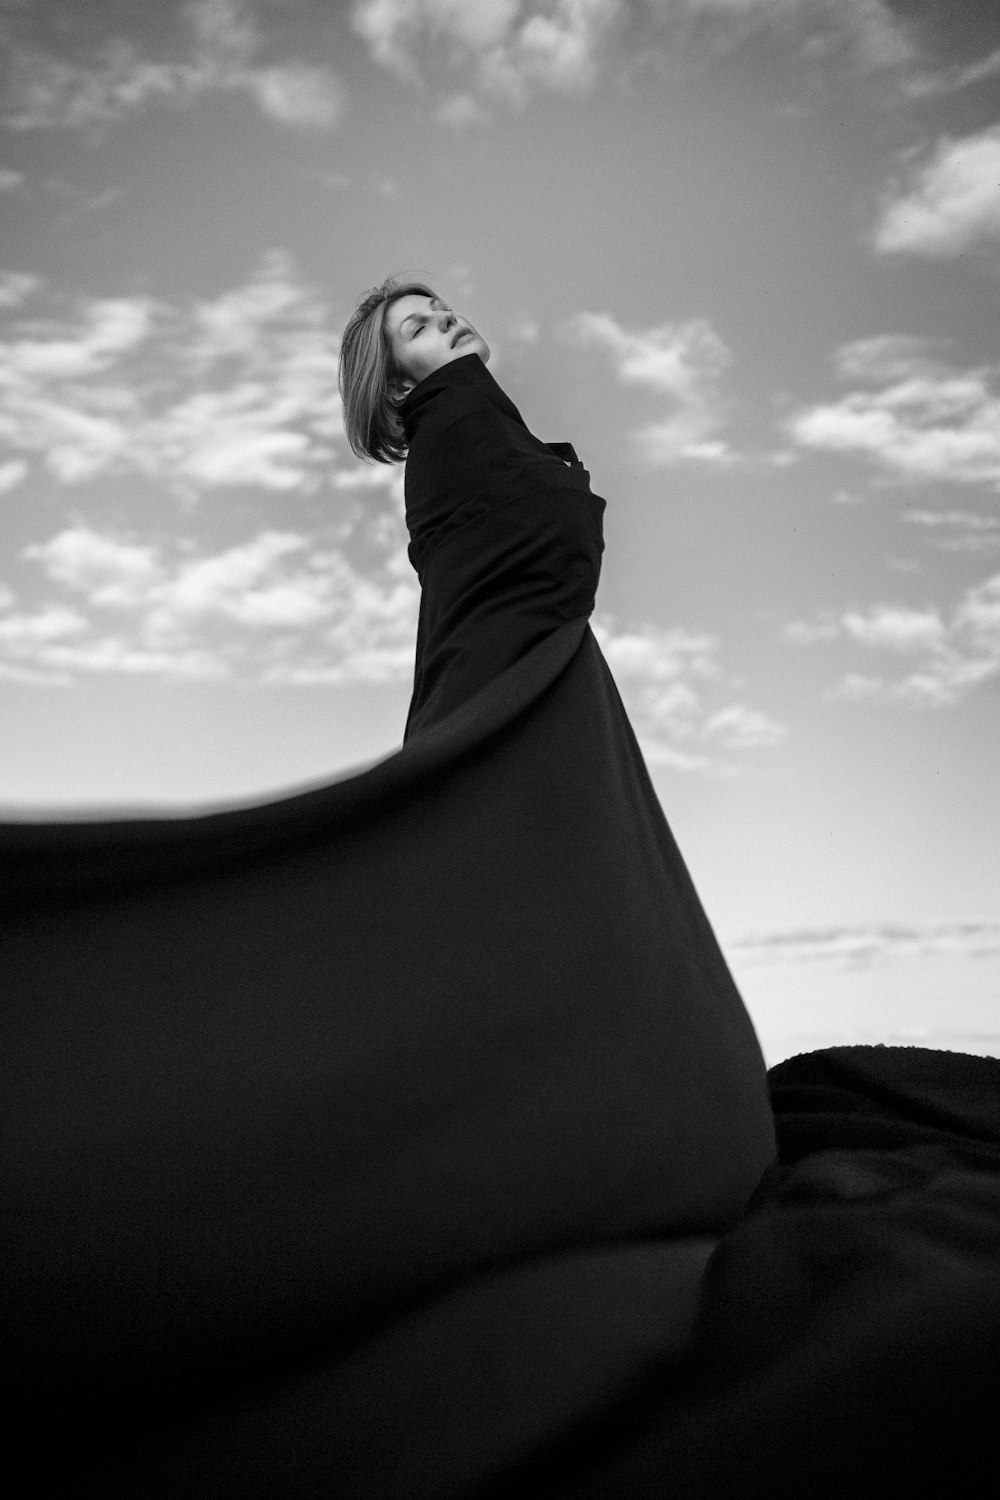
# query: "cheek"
{"type": "Point", "coordinates": [408, 359]}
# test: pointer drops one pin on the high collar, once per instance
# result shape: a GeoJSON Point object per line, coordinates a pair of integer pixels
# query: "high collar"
{"type": "Point", "coordinates": [467, 373]}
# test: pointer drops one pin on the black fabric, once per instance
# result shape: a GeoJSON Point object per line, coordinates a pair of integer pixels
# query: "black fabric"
{"type": "Point", "coordinates": [407, 1138]}
{"type": "Point", "coordinates": [849, 1336]}
{"type": "Point", "coordinates": [506, 535]}
{"type": "Point", "coordinates": [294, 1095]}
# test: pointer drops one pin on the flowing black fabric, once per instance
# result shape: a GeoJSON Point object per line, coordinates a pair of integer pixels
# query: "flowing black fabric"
{"type": "Point", "coordinates": [505, 535]}
{"type": "Point", "coordinates": [360, 1142]}
{"type": "Point", "coordinates": [407, 1139]}
{"type": "Point", "coordinates": [848, 1341]}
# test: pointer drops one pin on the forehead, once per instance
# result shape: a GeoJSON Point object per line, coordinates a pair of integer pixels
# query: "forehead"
{"type": "Point", "coordinates": [398, 311]}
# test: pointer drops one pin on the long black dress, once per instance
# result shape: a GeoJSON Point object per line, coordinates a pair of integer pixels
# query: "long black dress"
{"type": "Point", "coordinates": [359, 1142]}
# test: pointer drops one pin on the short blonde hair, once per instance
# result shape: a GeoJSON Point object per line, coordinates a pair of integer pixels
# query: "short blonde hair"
{"type": "Point", "coordinates": [371, 412]}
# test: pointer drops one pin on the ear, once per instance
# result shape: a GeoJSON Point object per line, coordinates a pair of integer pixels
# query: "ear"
{"type": "Point", "coordinates": [399, 390]}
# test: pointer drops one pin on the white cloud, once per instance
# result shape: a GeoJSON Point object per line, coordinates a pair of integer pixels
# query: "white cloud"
{"type": "Point", "coordinates": [676, 692]}
{"type": "Point", "coordinates": [808, 632]}
{"type": "Point", "coordinates": [865, 36]}
{"type": "Point", "coordinates": [393, 27]}
{"type": "Point", "coordinates": [884, 357]}
{"type": "Point", "coordinates": [874, 32]}
{"type": "Point", "coordinates": [240, 389]}
{"type": "Point", "coordinates": [915, 415]}
{"type": "Point", "coordinates": [61, 663]}
{"type": "Point", "coordinates": [223, 56]}
{"type": "Point", "coordinates": [523, 331]}
{"type": "Point", "coordinates": [682, 361]}
{"type": "Point", "coordinates": [107, 328]}
{"type": "Point", "coordinates": [11, 474]}
{"type": "Point", "coordinates": [470, 56]}
{"type": "Point", "coordinates": [246, 583]}
{"type": "Point", "coordinates": [947, 203]}
{"type": "Point", "coordinates": [10, 179]}
{"type": "Point", "coordinates": [857, 687]}
{"type": "Point", "coordinates": [280, 606]}
{"type": "Point", "coordinates": [367, 477]}
{"type": "Point", "coordinates": [958, 76]}
{"type": "Point", "coordinates": [297, 93]}
{"type": "Point", "coordinates": [895, 628]}
{"type": "Point", "coordinates": [232, 322]}
{"type": "Point", "coordinates": [958, 530]}
{"type": "Point", "coordinates": [225, 438]}
{"type": "Point", "coordinates": [505, 53]}
{"type": "Point", "coordinates": [970, 519]}
{"type": "Point", "coordinates": [461, 110]}
{"type": "Point", "coordinates": [44, 92]}
{"type": "Point", "coordinates": [16, 286]}
{"type": "Point", "coordinates": [47, 624]}
{"type": "Point", "coordinates": [738, 727]}
{"type": "Point", "coordinates": [868, 944]}
{"type": "Point", "coordinates": [950, 657]}
{"type": "Point", "coordinates": [108, 570]}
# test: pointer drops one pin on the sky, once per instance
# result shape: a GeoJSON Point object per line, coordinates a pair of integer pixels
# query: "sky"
{"type": "Point", "coordinates": [743, 254]}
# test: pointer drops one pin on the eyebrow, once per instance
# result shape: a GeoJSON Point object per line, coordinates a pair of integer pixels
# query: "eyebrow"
{"type": "Point", "coordinates": [435, 304]}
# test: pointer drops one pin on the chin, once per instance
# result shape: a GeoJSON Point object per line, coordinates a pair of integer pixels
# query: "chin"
{"type": "Point", "coordinates": [471, 345]}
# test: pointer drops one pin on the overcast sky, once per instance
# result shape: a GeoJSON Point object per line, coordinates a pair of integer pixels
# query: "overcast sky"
{"type": "Point", "coordinates": [744, 254]}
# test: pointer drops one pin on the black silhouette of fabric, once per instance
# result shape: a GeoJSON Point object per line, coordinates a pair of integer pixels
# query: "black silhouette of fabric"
{"type": "Point", "coordinates": [407, 1139]}
{"type": "Point", "coordinates": [364, 1141]}
{"type": "Point", "coordinates": [848, 1341]}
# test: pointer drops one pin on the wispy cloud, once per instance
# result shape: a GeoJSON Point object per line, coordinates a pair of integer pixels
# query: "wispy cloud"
{"type": "Point", "coordinates": [470, 57]}
{"type": "Point", "coordinates": [679, 697]}
{"type": "Point", "coordinates": [16, 287]}
{"type": "Point", "coordinates": [234, 391]}
{"type": "Point", "coordinates": [954, 78]}
{"type": "Point", "coordinates": [222, 55]}
{"type": "Point", "coordinates": [894, 628]}
{"type": "Point", "coordinates": [946, 202]}
{"type": "Point", "coordinates": [868, 34]}
{"type": "Point", "coordinates": [11, 473]}
{"type": "Point", "coordinates": [958, 530]}
{"type": "Point", "coordinates": [240, 389]}
{"type": "Point", "coordinates": [946, 657]}
{"type": "Point", "coordinates": [737, 727]}
{"type": "Point", "coordinates": [554, 44]}
{"type": "Point", "coordinates": [280, 606]}
{"type": "Point", "coordinates": [507, 53]}
{"type": "Point", "coordinates": [684, 362]}
{"type": "Point", "coordinates": [917, 416]}
{"type": "Point", "coordinates": [867, 945]}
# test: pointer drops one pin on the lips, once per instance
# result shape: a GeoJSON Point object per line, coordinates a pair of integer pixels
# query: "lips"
{"type": "Point", "coordinates": [461, 334]}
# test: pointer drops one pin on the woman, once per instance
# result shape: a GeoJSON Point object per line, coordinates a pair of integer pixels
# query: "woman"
{"type": "Point", "coordinates": [651, 1064]}
{"type": "Point", "coordinates": [368, 1141]}
{"type": "Point", "coordinates": [414, 383]}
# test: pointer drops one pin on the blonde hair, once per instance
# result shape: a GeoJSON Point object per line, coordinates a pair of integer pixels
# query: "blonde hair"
{"type": "Point", "coordinates": [367, 366]}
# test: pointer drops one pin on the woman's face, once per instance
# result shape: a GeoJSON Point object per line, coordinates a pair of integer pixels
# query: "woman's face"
{"type": "Point", "coordinates": [425, 334]}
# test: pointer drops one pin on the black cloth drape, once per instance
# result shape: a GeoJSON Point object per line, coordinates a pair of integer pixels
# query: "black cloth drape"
{"type": "Point", "coordinates": [505, 535]}
{"type": "Point", "coordinates": [848, 1339]}
{"type": "Point", "coordinates": [358, 1142]}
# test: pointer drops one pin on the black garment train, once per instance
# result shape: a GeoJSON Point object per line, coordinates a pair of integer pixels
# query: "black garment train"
{"type": "Point", "coordinates": [359, 1142]}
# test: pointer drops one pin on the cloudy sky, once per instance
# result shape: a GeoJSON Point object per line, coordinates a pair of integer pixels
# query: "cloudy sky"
{"type": "Point", "coordinates": [744, 254]}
